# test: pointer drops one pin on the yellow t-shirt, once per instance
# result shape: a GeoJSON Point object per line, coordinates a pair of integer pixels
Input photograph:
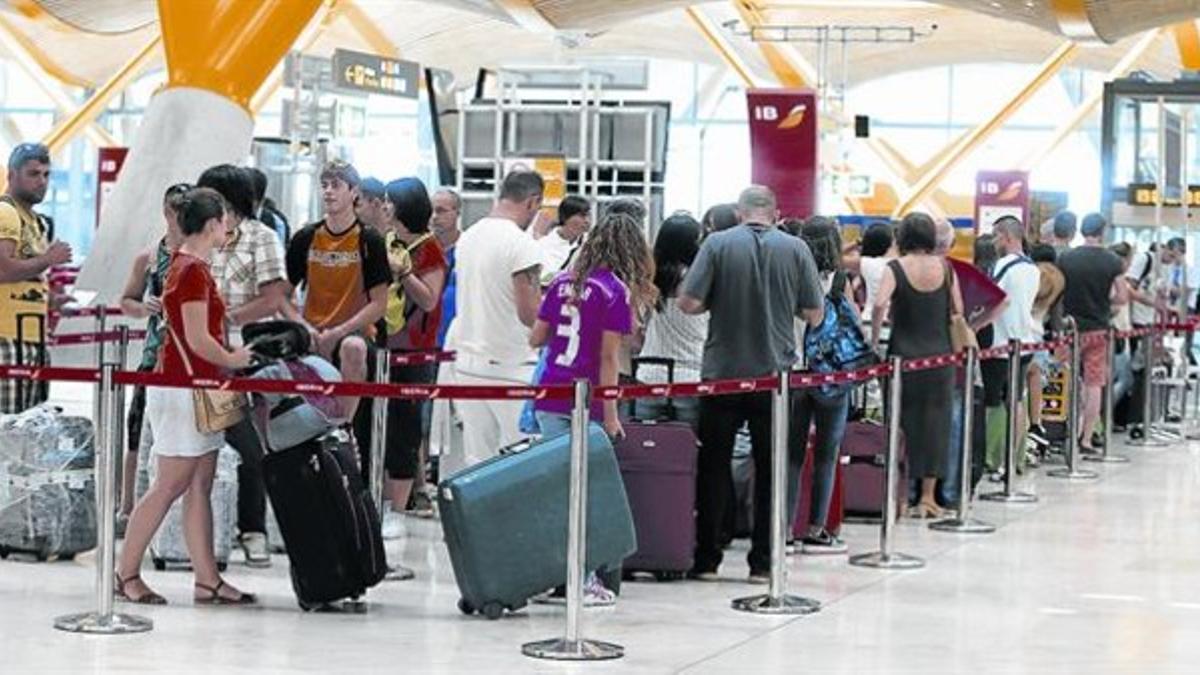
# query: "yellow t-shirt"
{"type": "Point", "coordinates": [30, 296]}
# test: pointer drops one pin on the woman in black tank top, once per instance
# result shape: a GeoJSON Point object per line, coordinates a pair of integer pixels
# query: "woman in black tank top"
{"type": "Point", "coordinates": [921, 328]}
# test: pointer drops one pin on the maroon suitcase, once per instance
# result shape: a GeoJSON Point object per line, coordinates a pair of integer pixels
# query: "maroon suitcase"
{"type": "Point", "coordinates": [833, 522]}
{"type": "Point", "coordinates": [658, 466]}
{"type": "Point", "coordinates": [865, 448]}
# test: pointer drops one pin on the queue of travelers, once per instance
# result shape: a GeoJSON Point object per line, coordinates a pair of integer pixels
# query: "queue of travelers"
{"type": "Point", "coordinates": [390, 269]}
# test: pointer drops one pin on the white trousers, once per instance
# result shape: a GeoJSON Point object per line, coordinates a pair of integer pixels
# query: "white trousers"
{"type": "Point", "coordinates": [487, 425]}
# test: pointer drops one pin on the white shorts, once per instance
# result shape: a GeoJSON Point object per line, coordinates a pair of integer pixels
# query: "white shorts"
{"type": "Point", "coordinates": [172, 416]}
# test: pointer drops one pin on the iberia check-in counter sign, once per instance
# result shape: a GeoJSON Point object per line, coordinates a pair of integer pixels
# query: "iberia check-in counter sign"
{"type": "Point", "coordinates": [374, 74]}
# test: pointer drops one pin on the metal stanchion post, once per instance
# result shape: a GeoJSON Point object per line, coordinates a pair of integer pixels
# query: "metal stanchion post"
{"type": "Point", "coordinates": [119, 454]}
{"type": "Point", "coordinates": [885, 558]}
{"type": "Point", "coordinates": [101, 322]}
{"type": "Point", "coordinates": [1012, 435]}
{"type": "Point", "coordinates": [379, 406]}
{"type": "Point", "coordinates": [572, 646]}
{"type": "Point", "coordinates": [777, 600]}
{"type": "Point", "coordinates": [1074, 409]}
{"type": "Point", "coordinates": [963, 522]}
{"type": "Point", "coordinates": [1109, 356]}
{"type": "Point", "coordinates": [104, 621]}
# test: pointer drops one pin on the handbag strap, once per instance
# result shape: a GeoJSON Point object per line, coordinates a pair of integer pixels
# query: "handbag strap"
{"type": "Point", "coordinates": [182, 349]}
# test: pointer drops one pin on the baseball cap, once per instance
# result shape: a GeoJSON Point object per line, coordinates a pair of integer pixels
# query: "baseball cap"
{"type": "Point", "coordinates": [25, 152]}
{"type": "Point", "coordinates": [1092, 225]}
{"type": "Point", "coordinates": [372, 187]}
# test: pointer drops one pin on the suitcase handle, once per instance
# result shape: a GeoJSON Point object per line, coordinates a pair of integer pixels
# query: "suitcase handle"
{"type": "Point", "coordinates": [668, 363]}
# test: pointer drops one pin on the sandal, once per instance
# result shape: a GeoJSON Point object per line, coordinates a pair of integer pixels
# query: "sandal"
{"type": "Point", "coordinates": [147, 598]}
{"type": "Point", "coordinates": [216, 599]}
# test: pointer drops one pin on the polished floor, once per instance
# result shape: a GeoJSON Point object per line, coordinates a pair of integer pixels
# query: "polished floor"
{"type": "Point", "coordinates": [1102, 576]}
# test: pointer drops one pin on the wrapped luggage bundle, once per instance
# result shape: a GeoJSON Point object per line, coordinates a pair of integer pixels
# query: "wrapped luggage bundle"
{"type": "Point", "coordinates": [47, 489]}
{"type": "Point", "coordinates": [168, 548]}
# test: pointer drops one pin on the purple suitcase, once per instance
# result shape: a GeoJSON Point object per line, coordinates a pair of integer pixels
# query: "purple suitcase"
{"type": "Point", "coordinates": [658, 465]}
{"type": "Point", "coordinates": [865, 448]}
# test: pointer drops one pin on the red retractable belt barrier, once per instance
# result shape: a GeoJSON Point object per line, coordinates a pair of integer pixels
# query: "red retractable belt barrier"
{"type": "Point", "coordinates": [421, 358]}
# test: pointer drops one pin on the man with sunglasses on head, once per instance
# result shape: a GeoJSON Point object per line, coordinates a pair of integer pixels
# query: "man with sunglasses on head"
{"type": "Point", "coordinates": [26, 253]}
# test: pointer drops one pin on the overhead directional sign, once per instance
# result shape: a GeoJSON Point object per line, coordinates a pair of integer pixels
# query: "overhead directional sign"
{"type": "Point", "coordinates": [375, 74]}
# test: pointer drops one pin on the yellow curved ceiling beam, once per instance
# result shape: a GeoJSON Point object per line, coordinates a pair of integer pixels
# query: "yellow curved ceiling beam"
{"type": "Point", "coordinates": [47, 64]}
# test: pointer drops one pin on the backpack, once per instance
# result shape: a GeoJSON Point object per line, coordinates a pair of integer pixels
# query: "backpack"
{"type": "Point", "coordinates": [287, 420]}
{"type": "Point", "coordinates": [837, 344]}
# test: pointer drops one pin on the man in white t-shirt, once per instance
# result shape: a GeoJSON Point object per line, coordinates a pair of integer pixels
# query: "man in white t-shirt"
{"type": "Point", "coordinates": [560, 243]}
{"type": "Point", "coordinates": [1019, 277]}
{"type": "Point", "coordinates": [497, 300]}
{"type": "Point", "coordinates": [1151, 285]}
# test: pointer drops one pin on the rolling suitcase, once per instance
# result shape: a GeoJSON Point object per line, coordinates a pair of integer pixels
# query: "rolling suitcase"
{"type": "Point", "coordinates": [505, 522]}
{"type": "Point", "coordinates": [330, 527]}
{"type": "Point", "coordinates": [658, 466]}
{"type": "Point", "coordinates": [864, 448]}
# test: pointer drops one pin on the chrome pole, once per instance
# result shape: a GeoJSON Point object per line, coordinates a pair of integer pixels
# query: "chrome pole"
{"type": "Point", "coordinates": [101, 324]}
{"type": "Point", "coordinates": [103, 621]}
{"type": "Point", "coordinates": [777, 600]}
{"type": "Point", "coordinates": [1075, 393]}
{"type": "Point", "coordinates": [122, 359]}
{"type": "Point", "coordinates": [572, 646]}
{"type": "Point", "coordinates": [379, 411]}
{"type": "Point", "coordinates": [1012, 434]}
{"type": "Point", "coordinates": [884, 558]}
{"type": "Point", "coordinates": [1109, 356]}
{"type": "Point", "coordinates": [963, 523]}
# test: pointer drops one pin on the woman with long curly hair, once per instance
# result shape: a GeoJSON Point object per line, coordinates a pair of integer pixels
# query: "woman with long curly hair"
{"type": "Point", "coordinates": [586, 312]}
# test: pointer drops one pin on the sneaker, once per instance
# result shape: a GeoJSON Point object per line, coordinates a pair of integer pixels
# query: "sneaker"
{"type": "Point", "coordinates": [1037, 434]}
{"type": "Point", "coordinates": [393, 525]}
{"type": "Point", "coordinates": [790, 547]}
{"type": "Point", "coordinates": [254, 547]}
{"type": "Point", "coordinates": [1032, 460]}
{"type": "Point", "coordinates": [422, 505]}
{"type": "Point", "coordinates": [996, 476]}
{"type": "Point", "coordinates": [399, 573]}
{"type": "Point", "coordinates": [595, 594]}
{"type": "Point", "coordinates": [759, 577]}
{"type": "Point", "coordinates": [822, 543]}
{"type": "Point", "coordinates": [703, 575]}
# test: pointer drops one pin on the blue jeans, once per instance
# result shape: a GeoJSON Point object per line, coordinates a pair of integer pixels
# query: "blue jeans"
{"type": "Point", "coordinates": [829, 415]}
{"type": "Point", "coordinates": [553, 424]}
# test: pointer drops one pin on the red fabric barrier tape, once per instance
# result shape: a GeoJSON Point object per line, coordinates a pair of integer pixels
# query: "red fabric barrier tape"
{"type": "Point", "coordinates": [932, 362]}
{"type": "Point", "coordinates": [71, 312]}
{"type": "Point", "coordinates": [419, 358]}
{"type": "Point", "coordinates": [689, 389]}
{"type": "Point", "coordinates": [813, 380]}
{"type": "Point", "coordinates": [92, 338]}
{"type": "Point", "coordinates": [49, 374]}
{"type": "Point", "coordinates": [357, 389]}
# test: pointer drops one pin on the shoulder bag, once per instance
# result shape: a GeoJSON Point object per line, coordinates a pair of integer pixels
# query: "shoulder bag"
{"type": "Point", "coordinates": [961, 335]}
{"type": "Point", "coordinates": [216, 409]}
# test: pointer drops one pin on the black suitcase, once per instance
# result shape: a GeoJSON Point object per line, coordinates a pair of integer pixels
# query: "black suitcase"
{"type": "Point", "coordinates": [329, 524]}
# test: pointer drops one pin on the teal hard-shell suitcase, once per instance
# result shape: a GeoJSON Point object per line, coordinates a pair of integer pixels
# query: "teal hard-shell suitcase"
{"type": "Point", "coordinates": [505, 522]}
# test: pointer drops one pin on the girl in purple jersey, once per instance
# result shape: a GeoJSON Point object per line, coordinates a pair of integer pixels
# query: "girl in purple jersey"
{"type": "Point", "coordinates": [586, 312]}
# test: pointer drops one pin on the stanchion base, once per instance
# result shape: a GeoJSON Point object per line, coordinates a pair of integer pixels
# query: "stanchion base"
{"type": "Point", "coordinates": [784, 604]}
{"type": "Point", "coordinates": [887, 561]}
{"type": "Point", "coordinates": [1106, 459]}
{"type": "Point", "coordinates": [96, 624]}
{"type": "Point", "coordinates": [1073, 474]}
{"type": "Point", "coordinates": [1009, 497]}
{"type": "Point", "coordinates": [968, 526]}
{"type": "Point", "coordinates": [1145, 442]}
{"type": "Point", "coordinates": [561, 649]}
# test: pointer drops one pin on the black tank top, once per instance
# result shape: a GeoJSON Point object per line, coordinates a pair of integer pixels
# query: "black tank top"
{"type": "Point", "coordinates": [920, 319]}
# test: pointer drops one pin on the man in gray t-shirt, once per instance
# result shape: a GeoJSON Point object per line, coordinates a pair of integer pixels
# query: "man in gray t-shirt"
{"type": "Point", "coordinates": [753, 280]}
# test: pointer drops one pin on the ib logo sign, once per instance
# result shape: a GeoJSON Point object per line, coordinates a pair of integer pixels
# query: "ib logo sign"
{"type": "Point", "coordinates": [769, 113]}
{"type": "Point", "coordinates": [1000, 192]}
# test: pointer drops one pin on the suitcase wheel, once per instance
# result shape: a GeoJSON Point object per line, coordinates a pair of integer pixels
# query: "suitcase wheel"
{"type": "Point", "coordinates": [221, 566]}
{"type": "Point", "coordinates": [4, 553]}
{"type": "Point", "coordinates": [493, 611]}
{"type": "Point", "coordinates": [465, 607]}
{"type": "Point", "coordinates": [159, 564]}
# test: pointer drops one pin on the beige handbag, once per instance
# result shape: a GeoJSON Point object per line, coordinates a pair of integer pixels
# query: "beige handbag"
{"type": "Point", "coordinates": [216, 409]}
{"type": "Point", "coordinates": [962, 337]}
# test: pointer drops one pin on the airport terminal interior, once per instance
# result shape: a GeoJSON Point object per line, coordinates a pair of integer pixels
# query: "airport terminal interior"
{"type": "Point", "coordinates": [528, 393]}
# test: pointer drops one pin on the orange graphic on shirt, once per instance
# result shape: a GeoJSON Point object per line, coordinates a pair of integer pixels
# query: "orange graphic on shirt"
{"type": "Point", "coordinates": [335, 278]}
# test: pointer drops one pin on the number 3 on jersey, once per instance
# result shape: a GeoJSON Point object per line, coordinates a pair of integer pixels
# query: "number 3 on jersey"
{"type": "Point", "coordinates": [570, 331]}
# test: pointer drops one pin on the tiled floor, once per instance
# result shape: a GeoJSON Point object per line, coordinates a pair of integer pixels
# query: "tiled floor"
{"type": "Point", "coordinates": [1096, 577]}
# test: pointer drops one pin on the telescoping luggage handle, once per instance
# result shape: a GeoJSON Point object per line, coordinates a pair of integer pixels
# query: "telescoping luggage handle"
{"type": "Point", "coordinates": [638, 361]}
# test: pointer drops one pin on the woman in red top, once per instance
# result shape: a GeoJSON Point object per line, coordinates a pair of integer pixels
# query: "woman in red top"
{"type": "Point", "coordinates": [420, 271]}
{"type": "Point", "coordinates": [187, 459]}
